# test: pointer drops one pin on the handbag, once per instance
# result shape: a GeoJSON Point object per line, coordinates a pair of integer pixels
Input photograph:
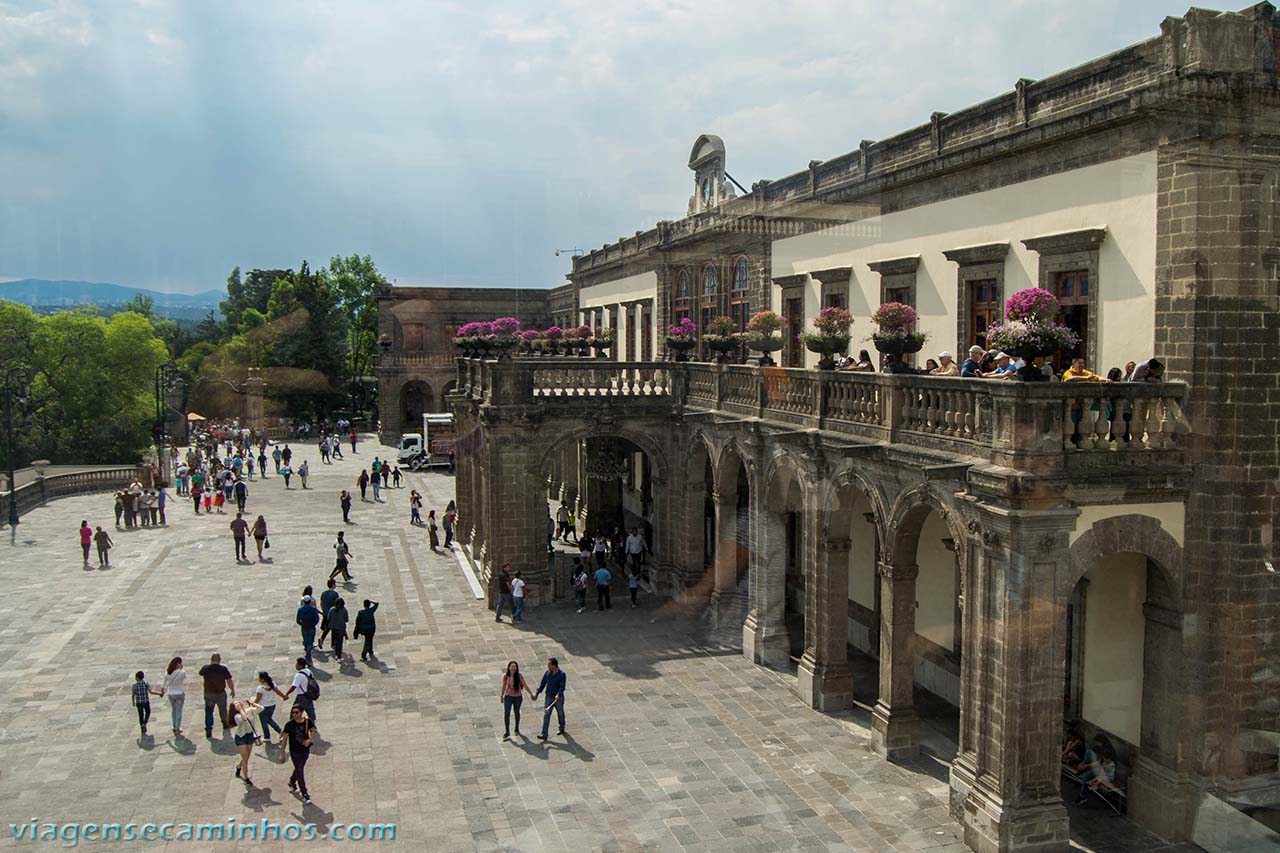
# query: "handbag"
{"type": "Point", "coordinates": [266, 543]}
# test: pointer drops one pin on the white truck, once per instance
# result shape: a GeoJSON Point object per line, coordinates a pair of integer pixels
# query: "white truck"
{"type": "Point", "coordinates": [431, 447]}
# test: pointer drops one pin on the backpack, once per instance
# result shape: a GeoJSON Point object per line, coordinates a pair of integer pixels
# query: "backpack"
{"type": "Point", "coordinates": [313, 688]}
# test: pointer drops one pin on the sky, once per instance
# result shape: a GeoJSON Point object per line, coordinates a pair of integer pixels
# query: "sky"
{"type": "Point", "coordinates": [159, 144]}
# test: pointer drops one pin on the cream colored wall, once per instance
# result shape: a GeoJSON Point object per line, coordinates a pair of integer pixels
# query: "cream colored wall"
{"type": "Point", "coordinates": [1114, 631]}
{"type": "Point", "coordinates": [633, 287]}
{"type": "Point", "coordinates": [936, 584]}
{"type": "Point", "coordinates": [1119, 194]}
{"type": "Point", "coordinates": [862, 558]}
{"type": "Point", "coordinates": [1172, 517]}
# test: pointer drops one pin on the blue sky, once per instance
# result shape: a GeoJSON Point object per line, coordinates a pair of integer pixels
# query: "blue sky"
{"type": "Point", "coordinates": [159, 144]}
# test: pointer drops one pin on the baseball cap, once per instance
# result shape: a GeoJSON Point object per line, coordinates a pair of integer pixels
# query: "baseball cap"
{"type": "Point", "coordinates": [307, 599]}
{"type": "Point", "coordinates": [1004, 355]}
{"type": "Point", "coordinates": [945, 354]}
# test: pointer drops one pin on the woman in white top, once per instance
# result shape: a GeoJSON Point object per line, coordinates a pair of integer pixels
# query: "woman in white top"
{"type": "Point", "coordinates": [265, 696]}
{"type": "Point", "coordinates": [175, 687]}
{"type": "Point", "coordinates": [244, 714]}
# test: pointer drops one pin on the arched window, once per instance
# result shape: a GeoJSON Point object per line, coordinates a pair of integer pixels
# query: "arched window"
{"type": "Point", "coordinates": [741, 275]}
{"type": "Point", "coordinates": [682, 285]}
{"type": "Point", "coordinates": [710, 281]}
{"type": "Point", "coordinates": [683, 303]}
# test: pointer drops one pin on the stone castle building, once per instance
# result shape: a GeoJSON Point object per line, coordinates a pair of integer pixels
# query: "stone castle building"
{"type": "Point", "coordinates": [1034, 555]}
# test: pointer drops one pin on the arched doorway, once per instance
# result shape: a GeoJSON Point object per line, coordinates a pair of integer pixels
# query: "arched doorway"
{"type": "Point", "coordinates": [777, 617]}
{"type": "Point", "coordinates": [615, 491]}
{"type": "Point", "coordinates": [853, 522]}
{"type": "Point", "coordinates": [730, 517]}
{"type": "Point", "coordinates": [416, 400]}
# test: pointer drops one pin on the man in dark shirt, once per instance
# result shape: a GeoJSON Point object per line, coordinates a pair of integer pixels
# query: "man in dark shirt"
{"type": "Point", "coordinates": [308, 618]}
{"type": "Point", "coordinates": [327, 598]}
{"type": "Point", "coordinates": [972, 366]}
{"type": "Point", "coordinates": [242, 494]}
{"type": "Point", "coordinates": [553, 683]}
{"type": "Point", "coordinates": [504, 592]}
{"type": "Point", "coordinates": [298, 733]}
{"type": "Point", "coordinates": [239, 530]}
{"type": "Point", "coordinates": [217, 679]}
{"type": "Point", "coordinates": [366, 627]}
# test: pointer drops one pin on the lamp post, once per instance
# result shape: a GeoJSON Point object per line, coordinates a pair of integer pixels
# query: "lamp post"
{"type": "Point", "coordinates": [166, 380]}
{"type": "Point", "coordinates": [15, 386]}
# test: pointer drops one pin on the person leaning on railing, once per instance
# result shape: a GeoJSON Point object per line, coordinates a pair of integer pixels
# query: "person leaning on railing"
{"type": "Point", "coordinates": [1077, 372]}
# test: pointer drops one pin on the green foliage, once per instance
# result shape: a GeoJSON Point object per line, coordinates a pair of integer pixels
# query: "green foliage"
{"type": "Point", "coordinates": [142, 304]}
{"type": "Point", "coordinates": [89, 395]}
{"type": "Point", "coordinates": [250, 291]}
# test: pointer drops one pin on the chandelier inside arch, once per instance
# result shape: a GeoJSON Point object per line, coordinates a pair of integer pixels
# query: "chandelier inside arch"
{"type": "Point", "coordinates": [606, 462]}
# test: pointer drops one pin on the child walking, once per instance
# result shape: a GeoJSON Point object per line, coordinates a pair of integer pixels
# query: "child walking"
{"type": "Point", "coordinates": [142, 694]}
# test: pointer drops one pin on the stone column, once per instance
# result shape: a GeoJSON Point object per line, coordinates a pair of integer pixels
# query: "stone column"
{"type": "Point", "coordinates": [825, 681]}
{"type": "Point", "coordinates": [725, 570]}
{"type": "Point", "coordinates": [895, 725]}
{"type": "Point", "coordinates": [254, 388]}
{"type": "Point", "coordinates": [764, 634]}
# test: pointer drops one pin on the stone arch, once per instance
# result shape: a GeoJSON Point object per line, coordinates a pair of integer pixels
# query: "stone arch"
{"type": "Point", "coordinates": [1132, 533]}
{"type": "Point", "coordinates": [416, 398]}
{"type": "Point", "coordinates": [446, 389]}
{"type": "Point", "coordinates": [725, 464]}
{"type": "Point", "coordinates": [781, 458]}
{"type": "Point", "coordinates": [659, 464]}
{"type": "Point", "coordinates": [849, 477]}
{"type": "Point", "coordinates": [906, 516]}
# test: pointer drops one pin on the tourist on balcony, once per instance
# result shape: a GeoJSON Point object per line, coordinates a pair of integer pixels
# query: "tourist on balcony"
{"type": "Point", "coordinates": [946, 365]}
{"type": "Point", "coordinates": [1004, 368]}
{"type": "Point", "coordinates": [930, 366]}
{"type": "Point", "coordinates": [1129, 367]}
{"type": "Point", "coordinates": [432, 535]}
{"type": "Point", "coordinates": [1150, 371]}
{"type": "Point", "coordinates": [862, 364]}
{"type": "Point", "coordinates": [972, 366]}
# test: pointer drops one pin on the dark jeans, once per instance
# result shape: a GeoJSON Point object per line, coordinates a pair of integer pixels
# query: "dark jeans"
{"type": "Point", "coordinates": [337, 646]}
{"type": "Point", "coordinates": [144, 714]}
{"type": "Point", "coordinates": [301, 700]}
{"type": "Point", "coordinates": [367, 651]}
{"type": "Point", "coordinates": [633, 591]}
{"type": "Point", "coordinates": [517, 612]}
{"type": "Point", "coordinates": [299, 758]}
{"type": "Point", "coordinates": [448, 535]}
{"type": "Point", "coordinates": [602, 597]}
{"type": "Point", "coordinates": [308, 640]}
{"type": "Point", "coordinates": [504, 600]}
{"type": "Point", "coordinates": [268, 718]}
{"type": "Point", "coordinates": [212, 700]}
{"type": "Point", "coordinates": [546, 716]}
{"type": "Point", "coordinates": [242, 551]}
{"type": "Point", "coordinates": [581, 596]}
{"type": "Point", "coordinates": [510, 703]}
{"type": "Point", "coordinates": [85, 548]}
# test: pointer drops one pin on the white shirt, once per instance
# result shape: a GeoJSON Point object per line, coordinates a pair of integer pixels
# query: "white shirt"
{"type": "Point", "coordinates": [635, 544]}
{"type": "Point", "coordinates": [246, 722]}
{"type": "Point", "coordinates": [300, 682]}
{"type": "Point", "coordinates": [175, 683]}
{"type": "Point", "coordinates": [265, 696]}
{"type": "Point", "coordinates": [517, 588]}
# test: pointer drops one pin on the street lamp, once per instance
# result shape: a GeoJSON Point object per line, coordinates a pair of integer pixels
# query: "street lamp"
{"type": "Point", "coordinates": [167, 379]}
{"type": "Point", "coordinates": [15, 387]}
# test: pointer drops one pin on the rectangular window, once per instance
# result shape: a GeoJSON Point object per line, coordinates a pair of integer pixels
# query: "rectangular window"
{"type": "Point", "coordinates": [1072, 289]}
{"type": "Point", "coordinates": [984, 309]}
{"type": "Point", "coordinates": [631, 332]}
{"type": "Point", "coordinates": [834, 300]}
{"type": "Point", "coordinates": [646, 334]}
{"type": "Point", "coordinates": [415, 337]}
{"type": "Point", "coordinates": [793, 350]}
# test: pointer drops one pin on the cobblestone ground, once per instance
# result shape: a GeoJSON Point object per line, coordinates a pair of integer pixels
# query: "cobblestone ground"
{"type": "Point", "coordinates": [673, 742]}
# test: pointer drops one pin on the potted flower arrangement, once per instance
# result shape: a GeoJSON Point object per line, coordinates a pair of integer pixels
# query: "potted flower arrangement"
{"type": "Point", "coordinates": [471, 338]}
{"type": "Point", "coordinates": [527, 339]}
{"type": "Point", "coordinates": [761, 337]}
{"type": "Point", "coordinates": [831, 335]}
{"type": "Point", "coordinates": [895, 336]}
{"type": "Point", "coordinates": [578, 339]}
{"type": "Point", "coordinates": [551, 339]}
{"type": "Point", "coordinates": [682, 337]}
{"type": "Point", "coordinates": [1030, 331]}
{"type": "Point", "coordinates": [504, 336]}
{"type": "Point", "coordinates": [722, 338]}
{"type": "Point", "coordinates": [602, 340]}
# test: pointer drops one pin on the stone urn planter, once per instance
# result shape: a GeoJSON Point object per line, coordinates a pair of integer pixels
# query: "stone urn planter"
{"type": "Point", "coordinates": [721, 346]}
{"type": "Point", "coordinates": [826, 346]}
{"type": "Point", "coordinates": [764, 345]}
{"type": "Point", "coordinates": [894, 348]}
{"type": "Point", "coordinates": [680, 348]}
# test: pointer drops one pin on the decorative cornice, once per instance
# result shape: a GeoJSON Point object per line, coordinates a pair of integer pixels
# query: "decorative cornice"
{"type": "Point", "coordinates": [1084, 240]}
{"type": "Point", "coordinates": [987, 253]}
{"type": "Point", "coordinates": [788, 281]}
{"type": "Point", "coordinates": [896, 266]}
{"type": "Point", "coordinates": [833, 275]}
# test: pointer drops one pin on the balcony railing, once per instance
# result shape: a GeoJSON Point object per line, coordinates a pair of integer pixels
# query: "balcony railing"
{"type": "Point", "coordinates": [1007, 422]}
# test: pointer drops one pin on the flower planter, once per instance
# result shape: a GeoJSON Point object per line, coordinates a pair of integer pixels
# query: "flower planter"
{"type": "Point", "coordinates": [827, 346]}
{"type": "Point", "coordinates": [764, 346]}
{"type": "Point", "coordinates": [680, 347]}
{"type": "Point", "coordinates": [721, 346]}
{"type": "Point", "coordinates": [602, 348]}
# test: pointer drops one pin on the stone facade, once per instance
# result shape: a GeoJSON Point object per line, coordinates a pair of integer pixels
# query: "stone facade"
{"type": "Point", "coordinates": [779, 492]}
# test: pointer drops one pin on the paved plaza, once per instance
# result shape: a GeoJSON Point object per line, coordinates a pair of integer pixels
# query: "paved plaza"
{"type": "Point", "coordinates": [674, 741]}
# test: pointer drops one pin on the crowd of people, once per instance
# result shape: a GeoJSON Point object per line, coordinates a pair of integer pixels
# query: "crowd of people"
{"type": "Point", "coordinates": [994, 364]}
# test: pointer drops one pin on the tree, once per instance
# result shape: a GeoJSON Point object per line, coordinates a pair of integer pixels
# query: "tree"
{"type": "Point", "coordinates": [142, 304]}
{"type": "Point", "coordinates": [251, 291]}
{"type": "Point", "coordinates": [356, 280]}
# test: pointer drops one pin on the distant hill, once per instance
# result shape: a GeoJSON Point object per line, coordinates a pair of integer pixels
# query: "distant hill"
{"type": "Point", "coordinates": [47, 295]}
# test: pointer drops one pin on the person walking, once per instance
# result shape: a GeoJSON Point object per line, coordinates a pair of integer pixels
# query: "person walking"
{"type": "Point", "coordinates": [262, 461]}
{"type": "Point", "coordinates": [344, 500]}
{"type": "Point", "coordinates": [260, 535]}
{"type": "Point", "coordinates": [432, 531]}
{"type": "Point", "coordinates": [175, 687]}
{"type": "Point", "coordinates": [353, 441]}
{"type": "Point", "coordinates": [303, 470]}
{"type": "Point", "coordinates": [580, 584]}
{"type": "Point", "coordinates": [450, 523]}
{"type": "Point", "coordinates": [517, 599]}
{"type": "Point", "coordinates": [633, 586]}
{"type": "Point", "coordinates": [243, 717]}
{"type": "Point", "coordinates": [338, 627]}
{"type": "Point", "coordinates": [366, 627]}
{"type": "Point", "coordinates": [276, 456]}
{"type": "Point", "coordinates": [376, 482]}
{"type": "Point", "coordinates": [571, 527]}
{"type": "Point", "coordinates": [504, 592]}
{"type": "Point", "coordinates": [512, 695]}
{"type": "Point", "coordinates": [265, 696]}
{"type": "Point", "coordinates": [603, 578]}
{"type": "Point", "coordinates": [103, 540]}
{"type": "Point", "coordinates": [241, 491]}
{"type": "Point", "coordinates": [363, 482]}
{"type": "Point", "coordinates": [552, 684]}
{"type": "Point", "coordinates": [298, 734]}
{"type": "Point", "coordinates": [342, 553]}
{"type": "Point", "coordinates": [197, 493]}
{"type": "Point", "coordinates": [217, 680]}
{"type": "Point", "coordinates": [562, 520]}
{"type": "Point", "coordinates": [86, 539]}
{"type": "Point", "coordinates": [142, 694]}
{"type": "Point", "coordinates": [286, 455]}
{"type": "Point", "coordinates": [307, 618]}
{"type": "Point", "coordinates": [119, 505]}
{"type": "Point", "coordinates": [240, 533]}
{"type": "Point", "coordinates": [415, 508]}
{"type": "Point", "coordinates": [305, 686]}
{"type": "Point", "coordinates": [162, 501]}
{"type": "Point", "coordinates": [286, 472]}
{"type": "Point", "coordinates": [634, 547]}
{"type": "Point", "coordinates": [395, 476]}
{"type": "Point", "coordinates": [327, 598]}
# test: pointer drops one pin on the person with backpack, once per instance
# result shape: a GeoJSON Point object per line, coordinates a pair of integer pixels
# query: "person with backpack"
{"type": "Point", "coordinates": [305, 686]}
{"type": "Point", "coordinates": [308, 617]}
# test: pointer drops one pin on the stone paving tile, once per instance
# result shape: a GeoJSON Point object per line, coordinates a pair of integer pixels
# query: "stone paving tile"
{"type": "Point", "coordinates": [676, 742]}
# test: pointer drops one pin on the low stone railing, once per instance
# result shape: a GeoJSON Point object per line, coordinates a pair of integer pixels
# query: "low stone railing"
{"type": "Point", "coordinates": [38, 491]}
{"type": "Point", "coordinates": [1006, 422]}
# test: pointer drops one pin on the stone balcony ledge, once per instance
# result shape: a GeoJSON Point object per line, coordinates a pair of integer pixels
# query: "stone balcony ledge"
{"type": "Point", "coordinates": [1040, 427]}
